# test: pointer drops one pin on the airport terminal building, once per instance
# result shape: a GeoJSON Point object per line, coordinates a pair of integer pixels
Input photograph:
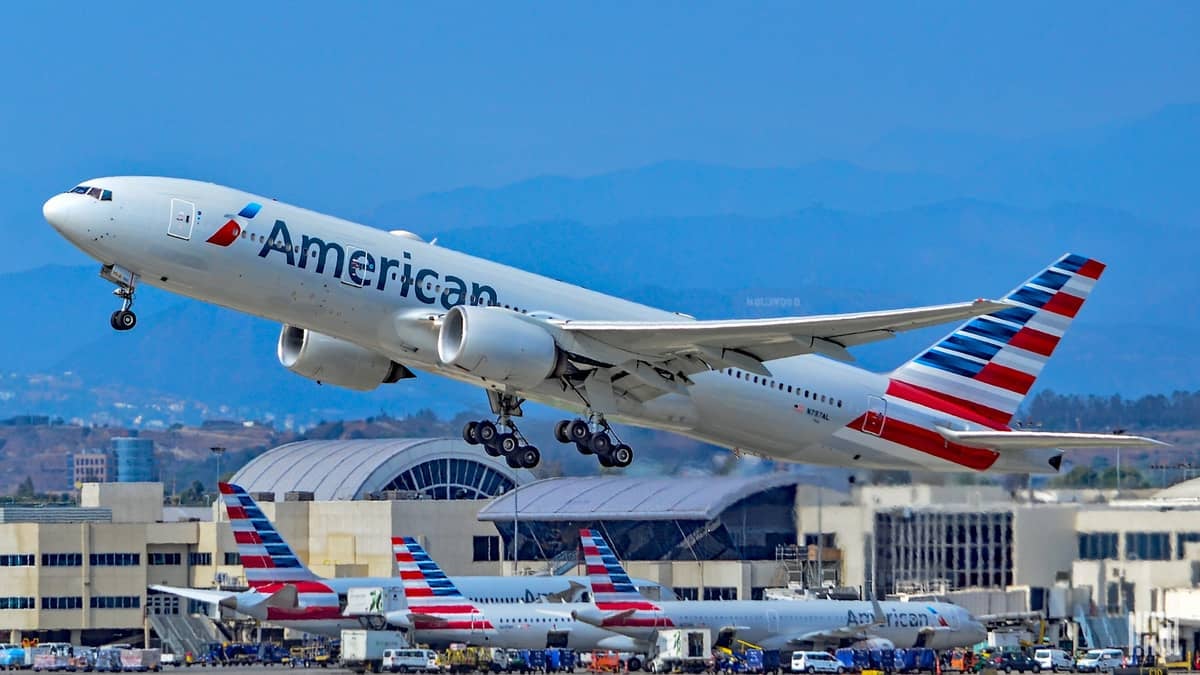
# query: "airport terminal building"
{"type": "Point", "coordinates": [1104, 571]}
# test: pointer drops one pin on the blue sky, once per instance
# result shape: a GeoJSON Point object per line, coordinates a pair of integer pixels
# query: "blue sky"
{"type": "Point", "coordinates": [344, 108]}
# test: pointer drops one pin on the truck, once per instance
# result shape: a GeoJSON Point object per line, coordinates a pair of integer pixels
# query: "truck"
{"type": "Point", "coordinates": [685, 649]}
{"type": "Point", "coordinates": [140, 660]}
{"type": "Point", "coordinates": [370, 604]}
{"type": "Point", "coordinates": [12, 657]}
{"type": "Point", "coordinates": [362, 650]}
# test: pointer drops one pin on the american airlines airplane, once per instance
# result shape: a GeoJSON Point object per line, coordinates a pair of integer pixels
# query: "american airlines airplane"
{"type": "Point", "coordinates": [439, 614]}
{"type": "Point", "coordinates": [362, 307]}
{"type": "Point", "coordinates": [774, 624]}
{"type": "Point", "coordinates": [285, 592]}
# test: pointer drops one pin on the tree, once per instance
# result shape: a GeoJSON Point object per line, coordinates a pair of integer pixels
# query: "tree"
{"type": "Point", "coordinates": [26, 490]}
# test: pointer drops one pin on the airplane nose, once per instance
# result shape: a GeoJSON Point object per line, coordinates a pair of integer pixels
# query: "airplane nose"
{"type": "Point", "coordinates": [57, 210]}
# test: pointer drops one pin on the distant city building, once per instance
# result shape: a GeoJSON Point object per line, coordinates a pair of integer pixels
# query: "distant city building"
{"type": "Point", "coordinates": [134, 460]}
{"type": "Point", "coordinates": [94, 466]}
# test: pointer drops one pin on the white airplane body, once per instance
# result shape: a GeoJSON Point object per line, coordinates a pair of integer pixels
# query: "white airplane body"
{"type": "Point", "coordinates": [361, 307]}
{"type": "Point", "coordinates": [773, 624]}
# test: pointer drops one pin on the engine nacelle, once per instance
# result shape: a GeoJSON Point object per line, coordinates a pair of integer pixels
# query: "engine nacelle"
{"type": "Point", "coordinates": [333, 361]}
{"type": "Point", "coordinates": [496, 345]}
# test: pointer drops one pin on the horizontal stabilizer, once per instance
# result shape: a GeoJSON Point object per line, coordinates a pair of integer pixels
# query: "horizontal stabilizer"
{"type": "Point", "coordinates": [1028, 440]}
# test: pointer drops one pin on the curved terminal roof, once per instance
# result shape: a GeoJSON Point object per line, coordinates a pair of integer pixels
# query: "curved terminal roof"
{"type": "Point", "coordinates": [1188, 489]}
{"type": "Point", "coordinates": [352, 469]}
{"type": "Point", "coordinates": [625, 498]}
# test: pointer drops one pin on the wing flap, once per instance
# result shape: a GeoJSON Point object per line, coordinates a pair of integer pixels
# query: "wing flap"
{"type": "Point", "coordinates": [1029, 440]}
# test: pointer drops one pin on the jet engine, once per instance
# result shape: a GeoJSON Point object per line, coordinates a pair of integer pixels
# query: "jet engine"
{"type": "Point", "coordinates": [333, 361]}
{"type": "Point", "coordinates": [497, 345]}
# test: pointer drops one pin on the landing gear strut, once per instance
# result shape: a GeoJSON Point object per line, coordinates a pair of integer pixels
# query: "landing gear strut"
{"type": "Point", "coordinates": [594, 437]}
{"type": "Point", "coordinates": [502, 437]}
{"type": "Point", "coordinates": [123, 319]}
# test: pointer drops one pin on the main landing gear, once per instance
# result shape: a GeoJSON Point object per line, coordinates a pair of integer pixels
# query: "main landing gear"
{"type": "Point", "coordinates": [502, 438]}
{"type": "Point", "coordinates": [594, 438]}
{"type": "Point", "coordinates": [123, 319]}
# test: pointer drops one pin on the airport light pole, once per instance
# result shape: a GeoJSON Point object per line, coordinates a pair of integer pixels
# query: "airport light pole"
{"type": "Point", "coordinates": [516, 531]}
{"type": "Point", "coordinates": [218, 451]}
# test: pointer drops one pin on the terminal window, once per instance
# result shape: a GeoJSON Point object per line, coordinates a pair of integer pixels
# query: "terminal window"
{"type": "Point", "coordinates": [115, 559]}
{"type": "Point", "coordinates": [200, 558]}
{"type": "Point", "coordinates": [233, 558]}
{"type": "Point", "coordinates": [917, 550]}
{"type": "Point", "coordinates": [17, 560]}
{"type": "Point", "coordinates": [486, 548]}
{"type": "Point", "coordinates": [1098, 546]}
{"type": "Point", "coordinates": [1182, 540]}
{"type": "Point", "coordinates": [165, 558]}
{"type": "Point", "coordinates": [720, 593]}
{"type": "Point", "coordinates": [116, 602]}
{"type": "Point", "coordinates": [17, 602]}
{"type": "Point", "coordinates": [63, 602]}
{"type": "Point", "coordinates": [62, 559]}
{"type": "Point", "coordinates": [1147, 546]}
{"type": "Point", "coordinates": [687, 592]}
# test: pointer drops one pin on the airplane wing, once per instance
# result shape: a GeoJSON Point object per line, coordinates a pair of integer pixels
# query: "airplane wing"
{"type": "Point", "coordinates": [223, 598]}
{"type": "Point", "coordinates": [1026, 440]}
{"type": "Point", "coordinates": [568, 594]}
{"type": "Point", "coordinates": [746, 343]}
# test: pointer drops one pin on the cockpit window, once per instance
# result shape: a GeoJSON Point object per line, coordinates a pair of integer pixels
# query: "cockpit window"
{"type": "Point", "coordinates": [93, 192]}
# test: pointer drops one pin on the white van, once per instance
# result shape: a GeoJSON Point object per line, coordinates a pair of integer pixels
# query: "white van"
{"type": "Point", "coordinates": [816, 662]}
{"type": "Point", "coordinates": [1050, 658]}
{"type": "Point", "coordinates": [1100, 660]}
{"type": "Point", "coordinates": [410, 661]}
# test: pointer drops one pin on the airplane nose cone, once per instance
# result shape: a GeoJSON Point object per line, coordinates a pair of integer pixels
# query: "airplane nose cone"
{"type": "Point", "coordinates": [57, 210]}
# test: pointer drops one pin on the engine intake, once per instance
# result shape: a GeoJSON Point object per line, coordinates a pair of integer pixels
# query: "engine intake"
{"type": "Point", "coordinates": [334, 361]}
{"type": "Point", "coordinates": [496, 345]}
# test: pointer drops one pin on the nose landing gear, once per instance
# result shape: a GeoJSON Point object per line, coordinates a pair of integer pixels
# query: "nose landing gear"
{"type": "Point", "coordinates": [123, 319]}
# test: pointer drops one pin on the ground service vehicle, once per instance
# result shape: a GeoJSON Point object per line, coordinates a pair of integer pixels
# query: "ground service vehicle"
{"type": "Point", "coordinates": [362, 650]}
{"type": "Point", "coordinates": [816, 662]}
{"type": "Point", "coordinates": [686, 649]}
{"type": "Point", "coordinates": [1015, 661]}
{"type": "Point", "coordinates": [1053, 659]}
{"type": "Point", "coordinates": [1100, 660]}
{"type": "Point", "coordinates": [410, 661]}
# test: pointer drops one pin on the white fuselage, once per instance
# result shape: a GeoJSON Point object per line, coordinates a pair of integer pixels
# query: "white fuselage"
{"type": "Point", "coordinates": [781, 624]}
{"type": "Point", "coordinates": [523, 626]}
{"type": "Point", "coordinates": [384, 291]}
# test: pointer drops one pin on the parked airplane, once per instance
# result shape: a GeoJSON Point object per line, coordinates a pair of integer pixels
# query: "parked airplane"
{"type": "Point", "coordinates": [284, 591]}
{"type": "Point", "coordinates": [440, 614]}
{"type": "Point", "coordinates": [774, 624]}
{"type": "Point", "coordinates": [361, 307]}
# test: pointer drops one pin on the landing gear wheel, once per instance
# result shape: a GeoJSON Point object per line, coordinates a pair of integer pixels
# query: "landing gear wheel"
{"type": "Point", "coordinates": [600, 443]}
{"type": "Point", "coordinates": [123, 319]}
{"type": "Point", "coordinates": [578, 431]}
{"type": "Point", "coordinates": [622, 455]}
{"type": "Point", "coordinates": [583, 448]}
{"type": "Point", "coordinates": [634, 663]}
{"type": "Point", "coordinates": [529, 456]}
{"type": "Point", "coordinates": [492, 450]}
{"type": "Point", "coordinates": [487, 432]}
{"type": "Point", "coordinates": [507, 443]}
{"type": "Point", "coordinates": [471, 433]}
{"type": "Point", "coordinates": [606, 461]}
{"type": "Point", "coordinates": [561, 433]}
{"type": "Point", "coordinates": [513, 461]}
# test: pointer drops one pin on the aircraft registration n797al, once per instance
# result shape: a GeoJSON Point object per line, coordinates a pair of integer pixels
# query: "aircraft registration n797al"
{"type": "Point", "coordinates": [362, 307]}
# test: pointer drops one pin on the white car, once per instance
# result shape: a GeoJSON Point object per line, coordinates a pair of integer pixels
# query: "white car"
{"type": "Point", "coordinates": [1100, 660]}
{"type": "Point", "coordinates": [1053, 659]}
{"type": "Point", "coordinates": [410, 661]}
{"type": "Point", "coordinates": [816, 662]}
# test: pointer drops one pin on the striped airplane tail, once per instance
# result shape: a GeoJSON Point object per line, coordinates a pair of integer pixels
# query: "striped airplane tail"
{"type": "Point", "coordinates": [266, 558]}
{"type": "Point", "coordinates": [612, 588]}
{"type": "Point", "coordinates": [986, 367]}
{"type": "Point", "coordinates": [433, 600]}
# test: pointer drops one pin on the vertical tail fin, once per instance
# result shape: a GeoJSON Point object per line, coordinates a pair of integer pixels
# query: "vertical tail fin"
{"type": "Point", "coordinates": [266, 557]}
{"type": "Point", "coordinates": [990, 363]}
{"type": "Point", "coordinates": [612, 588]}
{"type": "Point", "coordinates": [433, 599]}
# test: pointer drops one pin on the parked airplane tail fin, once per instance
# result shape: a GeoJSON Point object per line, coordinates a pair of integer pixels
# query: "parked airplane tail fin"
{"type": "Point", "coordinates": [265, 556]}
{"type": "Point", "coordinates": [612, 588]}
{"type": "Point", "coordinates": [987, 366]}
{"type": "Point", "coordinates": [433, 600]}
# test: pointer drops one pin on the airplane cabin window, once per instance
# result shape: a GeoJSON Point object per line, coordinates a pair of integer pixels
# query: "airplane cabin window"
{"type": "Point", "coordinates": [94, 192]}
{"type": "Point", "coordinates": [82, 189]}
{"type": "Point", "coordinates": [106, 195]}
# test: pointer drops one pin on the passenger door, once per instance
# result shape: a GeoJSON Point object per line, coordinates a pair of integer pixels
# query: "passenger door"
{"type": "Point", "coordinates": [183, 218]}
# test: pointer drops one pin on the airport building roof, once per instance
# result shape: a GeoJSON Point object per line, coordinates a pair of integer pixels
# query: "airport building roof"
{"type": "Point", "coordinates": [438, 468]}
{"type": "Point", "coordinates": [595, 498]}
{"type": "Point", "coordinates": [1188, 489]}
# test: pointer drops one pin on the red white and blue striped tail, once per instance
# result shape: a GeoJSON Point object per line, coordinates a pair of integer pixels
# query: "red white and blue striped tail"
{"type": "Point", "coordinates": [433, 600]}
{"type": "Point", "coordinates": [612, 588]}
{"type": "Point", "coordinates": [987, 366]}
{"type": "Point", "coordinates": [266, 557]}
